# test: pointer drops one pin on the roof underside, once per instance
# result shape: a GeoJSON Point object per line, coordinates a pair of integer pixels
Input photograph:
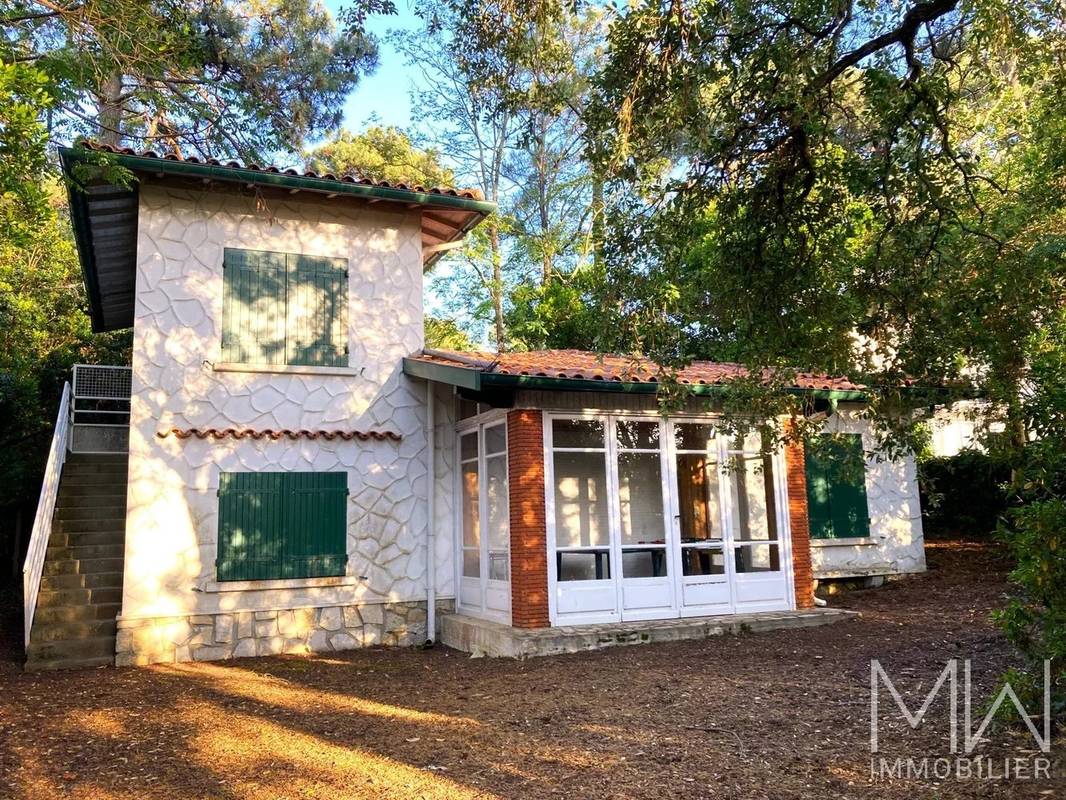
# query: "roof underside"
{"type": "Point", "coordinates": [104, 215]}
{"type": "Point", "coordinates": [579, 370]}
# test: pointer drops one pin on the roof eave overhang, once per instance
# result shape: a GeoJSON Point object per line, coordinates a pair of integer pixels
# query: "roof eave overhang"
{"type": "Point", "coordinates": [477, 380]}
{"type": "Point", "coordinates": [282, 180]}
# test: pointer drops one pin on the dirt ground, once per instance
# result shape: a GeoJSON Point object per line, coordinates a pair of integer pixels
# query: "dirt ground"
{"type": "Point", "coordinates": [772, 715]}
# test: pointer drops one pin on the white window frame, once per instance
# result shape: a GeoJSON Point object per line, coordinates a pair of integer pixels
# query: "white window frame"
{"type": "Point", "coordinates": [478, 424]}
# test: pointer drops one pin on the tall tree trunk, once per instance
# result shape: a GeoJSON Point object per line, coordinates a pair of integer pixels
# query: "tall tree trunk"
{"type": "Point", "coordinates": [497, 286]}
{"type": "Point", "coordinates": [109, 110]}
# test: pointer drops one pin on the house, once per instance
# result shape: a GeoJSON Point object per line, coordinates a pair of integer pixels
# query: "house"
{"type": "Point", "coordinates": [298, 473]}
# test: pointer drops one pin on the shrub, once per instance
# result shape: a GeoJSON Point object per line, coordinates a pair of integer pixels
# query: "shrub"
{"type": "Point", "coordinates": [963, 495]}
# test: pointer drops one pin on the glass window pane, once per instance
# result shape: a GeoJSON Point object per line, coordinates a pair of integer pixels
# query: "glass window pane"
{"type": "Point", "coordinates": [499, 566]}
{"type": "Point", "coordinates": [647, 562]}
{"type": "Point", "coordinates": [640, 498]}
{"type": "Point", "coordinates": [588, 565]}
{"type": "Point", "coordinates": [757, 558]}
{"type": "Point", "coordinates": [697, 495]}
{"type": "Point", "coordinates": [495, 440]}
{"type": "Point", "coordinates": [752, 489]}
{"type": "Point", "coordinates": [694, 436]}
{"type": "Point", "coordinates": [471, 564]}
{"type": "Point", "coordinates": [637, 435]}
{"type": "Point", "coordinates": [468, 445]}
{"type": "Point", "coordinates": [580, 500]}
{"type": "Point", "coordinates": [496, 502]}
{"type": "Point", "coordinates": [702, 561]}
{"type": "Point", "coordinates": [577, 433]}
{"type": "Point", "coordinates": [467, 408]}
{"type": "Point", "coordinates": [471, 517]}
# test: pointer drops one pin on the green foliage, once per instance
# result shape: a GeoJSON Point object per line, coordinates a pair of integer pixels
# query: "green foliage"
{"type": "Point", "coordinates": [445, 334]}
{"type": "Point", "coordinates": [44, 330]}
{"type": "Point", "coordinates": [220, 77]}
{"type": "Point", "coordinates": [382, 154]}
{"type": "Point", "coordinates": [557, 314]}
{"type": "Point", "coordinates": [23, 201]}
{"type": "Point", "coordinates": [963, 495]}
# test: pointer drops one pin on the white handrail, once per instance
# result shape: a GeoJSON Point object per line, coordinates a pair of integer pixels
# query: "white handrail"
{"type": "Point", "coordinates": [42, 522]}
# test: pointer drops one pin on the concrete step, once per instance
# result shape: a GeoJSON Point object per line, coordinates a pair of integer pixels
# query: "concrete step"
{"type": "Point", "coordinates": [63, 631]}
{"type": "Point", "coordinates": [93, 647]}
{"type": "Point", "coordinates": [98, 524]}
{"type": "Point", "coordinates": [99, 580]}
{"type": "Point", "coordinates": [87, 552]}
{"type": "Point", "coordinates": [75, 478]}
{"type": "Point", "coordinates": [92, 508]}
{"type": "Point", "coordinates": [54, 598]}
{"type": "Point", "coordinates": [33, 665]}
{"type": "Point", "coordinates": [74, 493]}
{"type": "Point", "coordinates": [85, 613]}
{"type": "Point", "coordinates": [85, 566]}
{"type": "Point", "coordinates": [85, 539]}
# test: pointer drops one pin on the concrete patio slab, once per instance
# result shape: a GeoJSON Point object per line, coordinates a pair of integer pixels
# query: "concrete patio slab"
{"type": "Point", "coordinates": [484, 638]}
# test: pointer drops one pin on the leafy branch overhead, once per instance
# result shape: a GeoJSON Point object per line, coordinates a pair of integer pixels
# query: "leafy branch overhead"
{"type": "Point", "coordinates": [211, 77]}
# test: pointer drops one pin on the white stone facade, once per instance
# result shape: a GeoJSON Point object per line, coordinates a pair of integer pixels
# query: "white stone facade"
{"type": "Point", "coordinates": [896, 544]}
{"type": "Point", "coordinates": [172, 519]}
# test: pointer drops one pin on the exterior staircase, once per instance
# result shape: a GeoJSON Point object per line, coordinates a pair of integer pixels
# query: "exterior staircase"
{"type": "Point", "coordinates": [81, 585]}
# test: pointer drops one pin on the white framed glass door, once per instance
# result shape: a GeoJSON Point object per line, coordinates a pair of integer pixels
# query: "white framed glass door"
{"type": "Point", "coordinates": [652, 519]}
{"type": "Point", "coordinates": [639, 487]}
{"type": "Point", "coordinates": [705, 575]}
{"type": "Point", "coordinates": [756, 522]}
{"type": "Point", "coordinates": [484, 522]}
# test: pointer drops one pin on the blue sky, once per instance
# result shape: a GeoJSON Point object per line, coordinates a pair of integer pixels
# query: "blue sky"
{"type": "Point", "coordinates": [386, 93]}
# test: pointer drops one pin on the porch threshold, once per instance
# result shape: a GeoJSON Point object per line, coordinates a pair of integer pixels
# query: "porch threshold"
{"type": "Point", "coordinates": [484, 638]}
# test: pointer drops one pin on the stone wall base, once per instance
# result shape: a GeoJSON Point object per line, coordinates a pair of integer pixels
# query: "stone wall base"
{"type": "Point", "coordinates": [239, 634]}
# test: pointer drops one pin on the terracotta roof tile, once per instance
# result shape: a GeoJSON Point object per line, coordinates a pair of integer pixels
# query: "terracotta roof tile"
{"type": "Point", "coordinates": [469, 194]}
{"type": "Point", "coordinates": [584, 365]}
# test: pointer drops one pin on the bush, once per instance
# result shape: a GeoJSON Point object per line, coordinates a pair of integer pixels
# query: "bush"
{"type": "Point", "coordinates": [963, 495]}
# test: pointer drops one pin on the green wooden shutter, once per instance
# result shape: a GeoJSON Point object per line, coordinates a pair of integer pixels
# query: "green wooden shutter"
{"type": "Point", "coordinates": [836, 489]}
{"type": "Point", "coordinates": [274, 525]}
{"type": "Point", "coordinates": [317, 313]}
{"type": "Point", "coordinates": [253, 306]}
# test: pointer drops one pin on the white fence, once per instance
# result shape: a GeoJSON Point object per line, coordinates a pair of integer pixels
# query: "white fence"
{"type": "Point", "coordinates": [42, 521]}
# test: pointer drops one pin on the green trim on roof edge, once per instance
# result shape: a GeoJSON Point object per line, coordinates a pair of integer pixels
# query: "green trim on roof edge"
{"type": "Point", "coordinates": [469, 378]}
{"type": "Point", "coordinates": [243, 175]}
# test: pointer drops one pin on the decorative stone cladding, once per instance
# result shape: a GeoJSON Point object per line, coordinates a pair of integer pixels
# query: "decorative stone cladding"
{"type": "Point", "coordinates": [172, 504]}
{"type": "Point", "coordinates": [212, 637]}
{"type": "Point", "coordinates": [799, 525]}
{"type": "Point", "coordinates": [529, 542]}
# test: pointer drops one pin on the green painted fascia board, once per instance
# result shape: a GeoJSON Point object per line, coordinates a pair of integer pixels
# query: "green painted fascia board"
{"type": "Point", "coordinates": [476, 380]}
{"type": "Point", "coordinates": [463, 377]}
{"type": "Point", "coordinates": [579, 385]}
{"type": "Point", "coordinates": [281, 180]}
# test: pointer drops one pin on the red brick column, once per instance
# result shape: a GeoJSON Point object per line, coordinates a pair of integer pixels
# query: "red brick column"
{"type": "Point", "coordinates": [529, 534]}
{"type": "Point", "coordinates": [796, 479]}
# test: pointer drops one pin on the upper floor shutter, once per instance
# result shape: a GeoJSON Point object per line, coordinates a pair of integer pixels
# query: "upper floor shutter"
{"type": "Point", "coordinates": [317, 313]}
{"type": "Point", "coordinates": [281, 308]}
{"type": "Point", "coordinates": [253, 306]}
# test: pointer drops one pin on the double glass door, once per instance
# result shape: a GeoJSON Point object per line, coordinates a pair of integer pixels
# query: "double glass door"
{"type": "Point", "coordinates": [655, 519]}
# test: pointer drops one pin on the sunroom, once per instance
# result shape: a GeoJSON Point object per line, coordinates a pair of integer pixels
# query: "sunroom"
{"type": "Point", "coordinates": [579, 508]}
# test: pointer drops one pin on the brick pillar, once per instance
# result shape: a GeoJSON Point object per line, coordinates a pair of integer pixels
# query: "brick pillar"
{"type": "Point", "coordinates": [796, 480]}
{"type": "Point", "coordinates": [529, 542]}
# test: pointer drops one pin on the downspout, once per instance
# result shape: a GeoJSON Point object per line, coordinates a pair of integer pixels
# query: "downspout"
{"type": "Point", "coordinates": [431, 504]}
